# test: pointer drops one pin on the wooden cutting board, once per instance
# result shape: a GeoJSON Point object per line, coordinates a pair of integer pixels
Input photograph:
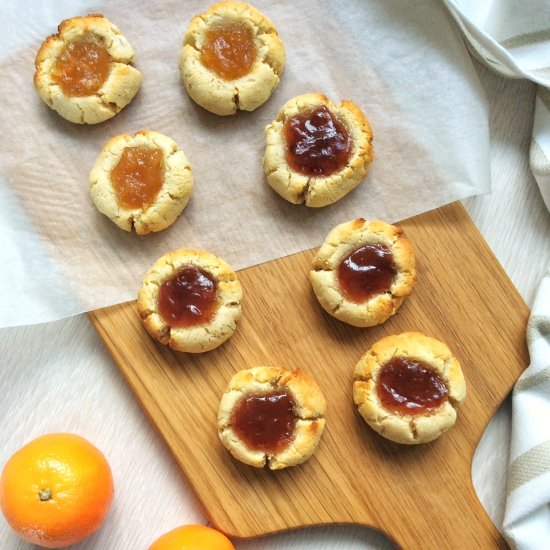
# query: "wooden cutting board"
{"type": "Point", "coordinates": [421, 496]}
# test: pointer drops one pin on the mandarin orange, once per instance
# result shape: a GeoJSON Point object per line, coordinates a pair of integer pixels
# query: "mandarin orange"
{"type": "Point", "coordinates": [56, 490]}
{"type": "Point", "coordinates": [192, 537]}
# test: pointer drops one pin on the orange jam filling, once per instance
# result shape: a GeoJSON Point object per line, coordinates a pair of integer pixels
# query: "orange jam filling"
{"type": "Point", "coordinates": [229, 50]}
{"type": "Point", "coordinates": [138, 177]}
{"type": "Point", "coordinates": [188, 298]}
{"type": "Point", "coordinates": [82, 68]}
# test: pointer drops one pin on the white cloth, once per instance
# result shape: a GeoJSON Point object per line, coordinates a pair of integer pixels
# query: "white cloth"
{"type": "Point", "coordinates": [527, 516]}
{"type": "Point", "coordinates": [514, 39]}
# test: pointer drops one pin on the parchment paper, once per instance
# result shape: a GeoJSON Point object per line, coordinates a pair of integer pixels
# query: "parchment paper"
{"type": "Point", "coordinates": [403, 63]}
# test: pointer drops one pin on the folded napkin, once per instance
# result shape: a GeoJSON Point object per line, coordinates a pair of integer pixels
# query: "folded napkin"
{"type": "Point", "coordinates": [527, 516]}
{"type": "Point", "coordinates": [514, 39]}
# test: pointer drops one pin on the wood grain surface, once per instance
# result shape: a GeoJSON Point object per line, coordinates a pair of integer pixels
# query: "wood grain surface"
{"type": "Point", "coordinates": [421, 496]}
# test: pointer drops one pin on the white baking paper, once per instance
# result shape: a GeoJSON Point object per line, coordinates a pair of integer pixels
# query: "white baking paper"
{"type": "Point", "coordinates": [403, 63]}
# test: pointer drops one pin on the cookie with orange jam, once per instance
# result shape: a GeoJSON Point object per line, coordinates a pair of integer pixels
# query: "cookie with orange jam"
{"type": "Point", "coordinates": [363, 271]}
{"type": "Point", "coordinates": [269, 416]}
{"type": "Point", "coordinates": [190, 300]}
{"type": "Point", "coordinates": [85, 72]}
{"type": "Point", "coordinates": [232, 58]}
{"type": "Point", "coordinates": [316, 151]}
{"type": "Point", "coordinates": [408, 388]}
{"type": "Point", "coordinates": [142, 182]}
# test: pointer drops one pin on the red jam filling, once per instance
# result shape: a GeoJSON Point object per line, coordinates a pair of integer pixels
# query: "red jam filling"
{"type": "Point", "coordinates": [229, 50]}
{"type": "Point", "coordinates": [81, 69]}
{"type": "Point", "coordinates": [318, 143]}
{"type": "Point", "coordinates": [188, 298]}
{"type": "Point", "coordinates": [409, 387]}
{"type": "Point", "coordinates": [366, 272]}
{"type": "Point", "coordinates": [265, 422]}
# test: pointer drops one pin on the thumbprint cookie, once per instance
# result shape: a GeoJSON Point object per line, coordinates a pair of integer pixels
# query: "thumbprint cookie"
{"type": "Point", "coordinates": [363, 271]}
{"type": "Point", "coordinates": [316, 151]}
{"type": "Point", "coordinates": [142, 182]}
{"type": "Point", "coordinates": [190, 300]}
{"type": "Point", "coordinates": [269, 416]}
{"type": "Point", "coordinates": [232, 58]}
{"type": "Point", "coordinates": [85, 72]}
{"type": "Point", "coordinates": [408, 388]}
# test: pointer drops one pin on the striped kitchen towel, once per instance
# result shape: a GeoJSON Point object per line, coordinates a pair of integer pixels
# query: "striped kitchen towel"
{"type": "Point", "coordinates": [513, 37]}
{"type": "Point", "coordinates": [527, 516]}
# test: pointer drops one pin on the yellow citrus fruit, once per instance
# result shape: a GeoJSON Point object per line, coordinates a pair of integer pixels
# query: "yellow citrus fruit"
{"type": "Point", "coordinates": [192, 537]}
{"type": "Point", "coordinates": [56, 490]}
